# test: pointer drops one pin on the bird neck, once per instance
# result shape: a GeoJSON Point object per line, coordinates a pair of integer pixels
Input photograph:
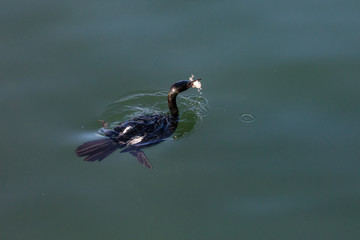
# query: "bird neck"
{"type": "Point", "coordinates": [172, 104]}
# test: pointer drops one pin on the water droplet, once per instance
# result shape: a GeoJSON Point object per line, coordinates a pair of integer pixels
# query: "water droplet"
{"type": "Point", "coordinates": [247, 118]}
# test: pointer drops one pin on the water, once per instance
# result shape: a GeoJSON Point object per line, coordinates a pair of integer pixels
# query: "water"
{"type": "Point", "coordinates": [292, 173]}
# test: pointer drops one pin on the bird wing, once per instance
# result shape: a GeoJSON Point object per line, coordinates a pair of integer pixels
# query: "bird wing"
{"type": "Point", "coordinates": [147, 130]}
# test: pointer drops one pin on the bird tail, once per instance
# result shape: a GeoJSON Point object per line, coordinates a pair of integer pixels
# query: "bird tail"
{"type": "Point", "coordinates": [96, 149]}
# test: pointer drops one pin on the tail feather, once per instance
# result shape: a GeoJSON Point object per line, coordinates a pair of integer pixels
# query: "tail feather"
{"type": "Point", "coordinates": [96, 149]}
{"type": "Point", "coordinates": [93, 146]}
{"type": "Point", "coordinates": [141, 157]}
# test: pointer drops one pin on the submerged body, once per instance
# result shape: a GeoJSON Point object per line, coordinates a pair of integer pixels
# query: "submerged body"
{"type": "Point", "coordinates": [139, 132]}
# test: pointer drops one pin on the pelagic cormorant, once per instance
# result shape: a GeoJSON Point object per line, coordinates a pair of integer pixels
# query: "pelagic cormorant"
{"type": "Point", "coordinates": [139, 132]}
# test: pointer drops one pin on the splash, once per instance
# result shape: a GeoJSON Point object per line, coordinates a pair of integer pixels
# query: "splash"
{"type": "Point", "coordinates": [196, 84]}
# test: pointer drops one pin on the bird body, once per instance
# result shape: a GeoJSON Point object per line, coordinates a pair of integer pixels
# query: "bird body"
{"type": "Point", "coordinates": [139, 132]}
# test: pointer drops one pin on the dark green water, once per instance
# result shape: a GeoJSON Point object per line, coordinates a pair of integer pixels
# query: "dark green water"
{"type": "Point", "coordinates": [292, 173]}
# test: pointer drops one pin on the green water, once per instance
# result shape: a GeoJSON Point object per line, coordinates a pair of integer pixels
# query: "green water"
{"type": "Point", "coordinates": [292, 172]}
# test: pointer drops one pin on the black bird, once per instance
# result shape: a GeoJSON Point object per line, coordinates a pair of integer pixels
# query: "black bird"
{"type": "Point", "coordinates": [139, 132]}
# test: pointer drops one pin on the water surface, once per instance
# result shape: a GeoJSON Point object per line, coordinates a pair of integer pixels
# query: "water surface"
{"type": "Point", "coordinates": [292, 173]}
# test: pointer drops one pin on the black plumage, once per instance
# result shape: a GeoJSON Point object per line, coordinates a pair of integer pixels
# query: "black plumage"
{"type": "Point", "coordinates": [139, 132]}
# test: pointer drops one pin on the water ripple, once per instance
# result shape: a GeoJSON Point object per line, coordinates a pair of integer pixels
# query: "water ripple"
{"type": "Point", "coordinates": [192, 109]}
